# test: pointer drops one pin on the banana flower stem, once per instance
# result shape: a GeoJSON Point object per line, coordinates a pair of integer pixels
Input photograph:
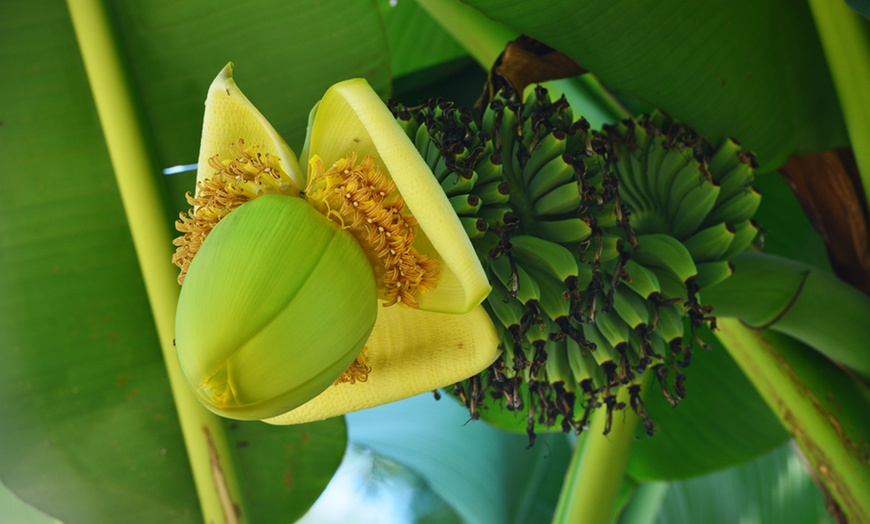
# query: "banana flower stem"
{"type": "Point", "coordinates": [598, 464]}
{"type": "Point", "coordinates": [203, 432]}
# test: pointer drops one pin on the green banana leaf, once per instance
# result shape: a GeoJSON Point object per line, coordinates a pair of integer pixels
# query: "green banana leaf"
{"type": "Point", "coordinates": [416, 41]}
{"type": "Point", "coordinates": [773, 488]}
{"type": "Point", "coordinates": [16, 510]}
{"type": "Point", "coordinates": [486, 475]}
{"type": "Point", "coordinates": [728, 69]}
{"type": "Point", "coordinates": [425, 59]}
{"type": "Point", "coordinates": [90, 432]}
{"type": "Point", "coordinates": [860, 6]}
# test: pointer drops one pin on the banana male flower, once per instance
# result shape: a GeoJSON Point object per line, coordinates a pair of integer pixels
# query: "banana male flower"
{"type": "Point", "coordinates": [317, 286]}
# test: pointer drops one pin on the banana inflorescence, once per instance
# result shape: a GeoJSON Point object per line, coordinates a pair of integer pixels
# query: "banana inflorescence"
{"type": "Point", "coordinates": [597, 245]}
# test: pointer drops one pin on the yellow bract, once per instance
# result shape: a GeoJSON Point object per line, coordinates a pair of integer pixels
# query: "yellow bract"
{"type": "Point", "coordinates": [351, 118]}
{"type": "Point", "coordinates": [409, 351]}
{"type": "Point", "coordinates": [407, 361]}
{"type": "Point", "coordinates": [229, 116]}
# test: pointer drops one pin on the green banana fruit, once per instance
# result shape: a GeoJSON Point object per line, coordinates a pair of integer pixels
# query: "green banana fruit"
{"type": "Point", "coordinates": [465, 204]}
{"type": "Point", "coordinates": [558, 367]}
{"type": "Point", "coordinates": [613, 327]}
{"type": "Point", "coordinates": [508, 311]}
{"type": "Point", "coordinates": [422, 141]}
{"type": "Point", "coordinates": [495, 192]}
{"type": "Point", "coordinates": [744, 233]}
{"type": "Point", "coordinates": [456, 184]}
{"type": "Point", "coordinates": [711, 273]}
{"type": "Point", "coordinates": [737, 180]}
{"type": "Point", "coordinates": [497, 215]}
{"type": "Point", "coordinates": [641, 280]}
{"type": "Point", "coordinates": [563, 231]}
{"type": "Point", "coordinates": [489, 169]}
{"type": "Point", "coordinates": [710, 244]}
{"type": "Point", "coordinates": [583, 368]}
{"type": "Point", "coordinates": [549, 257]}
{"type": "Point", "coordinates": [691, 207]}
{"type": "Point", "coordinates": [560, 200]}
{"type": "Point", "coordinates": [440, 169]}
{"type": "Point", "coordinates": [474, 227]}
{"type": "Point", "coordinates": [631, 183]}
{"type": "Point", "coordinates": [602, 249]}
{"type": "Point", "coordinates": [551, 146]}
{"type": "Point", "coordinates": [591, 239]}
{"type": "Point", "coordinates": [672, 287]}
{"type": "Point", "coordinates": [631, 307]}
{"type": "Point", "coordinates": [675, 166]}
{"type": "Point", "coordinates": [433, 155]}
{"type": "Point", "coordinates": [555, 299]}
{"type": "Point", "coordinates": [725, 158]}
{"type": "Point", "coordinates": [603, 352]}
{"type": "Point", "coordinates": [551, 175]}
{"type": "Point", "coordinates": [515, 279]}
{"type": "Point", "coordinates": [669, 324]}
{"type": "Point", "coordinates": [737, 208]}
{"type": "Point", "coordinates": [665, 252]}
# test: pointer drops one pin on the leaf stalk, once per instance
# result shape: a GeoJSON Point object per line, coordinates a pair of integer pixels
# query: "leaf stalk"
{"type": "Point", "coordinates": [823, 409]}
{"type": "Point", "coordinates": [126, 139]}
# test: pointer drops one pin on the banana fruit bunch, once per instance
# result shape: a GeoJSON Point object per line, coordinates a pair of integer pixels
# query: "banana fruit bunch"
{"type": "Point", "coordinates": [597, 245]}
{"type": "Point", "coordinates": [463, 160]}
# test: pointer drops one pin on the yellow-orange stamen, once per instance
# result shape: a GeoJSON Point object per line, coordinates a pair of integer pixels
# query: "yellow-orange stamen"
{"type": "Point", "coordinates": [247, 175]}
{"type": "Point", "coordinates": [358, 371]}
{"type": "Point", "coordinates": [365, 201]}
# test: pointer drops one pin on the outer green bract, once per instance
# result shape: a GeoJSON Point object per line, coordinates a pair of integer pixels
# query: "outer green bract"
{"type": "Point", "coordinates": [276, 305]}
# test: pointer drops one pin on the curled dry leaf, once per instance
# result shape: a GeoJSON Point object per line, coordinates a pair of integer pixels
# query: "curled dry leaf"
{"type": "Point", "coordinates": [526, 61]}
{"type": "Point", "coordinates": [824, 183]}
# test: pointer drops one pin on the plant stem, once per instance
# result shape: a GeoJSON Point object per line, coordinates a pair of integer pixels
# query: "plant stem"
{"type": "Point", "coordinates": [821, 407]}
{"type": "Point", "coordinates": [482, 37]}
{"type": "Point", "coordinates": [597, 466]}
{"type": "Point", "coordinates": [207, 447]}
{"type": "Point", "coordinates": [845, 37]}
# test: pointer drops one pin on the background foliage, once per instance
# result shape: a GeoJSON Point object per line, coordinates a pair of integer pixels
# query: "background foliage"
{"type": "Point", "coordinates": [90, 431]}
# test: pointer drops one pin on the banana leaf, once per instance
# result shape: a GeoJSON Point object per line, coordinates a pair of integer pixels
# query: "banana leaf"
{"type": "Point", "coordinates": [90, 430]}
{"type": "Point", "coordinates": [728, 69]}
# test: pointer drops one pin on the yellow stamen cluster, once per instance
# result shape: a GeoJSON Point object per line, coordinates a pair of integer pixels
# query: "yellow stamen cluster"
{"type": "Point", "coordinates": [247, 175]}
{"type": "Point", "coordinates": [358, 371]}
{"type": "Point", "coordinates": [365, 202]}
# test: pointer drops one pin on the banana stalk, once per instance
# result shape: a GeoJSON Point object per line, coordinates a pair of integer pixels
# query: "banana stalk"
{"type": "Point", "coordinates": [823, 407]}
{"type": "Point", "coordinates": [598, 465]}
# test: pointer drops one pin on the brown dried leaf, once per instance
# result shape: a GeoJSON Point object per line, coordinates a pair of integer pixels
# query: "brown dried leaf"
{"type": "Point", "coordinates": [527, 61]}
{"type": "Point", "coordinates": [827, 186]}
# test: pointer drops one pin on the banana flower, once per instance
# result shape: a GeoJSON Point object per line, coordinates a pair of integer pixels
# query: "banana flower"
{"type": "Point", "coordinates": [318, 286]}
